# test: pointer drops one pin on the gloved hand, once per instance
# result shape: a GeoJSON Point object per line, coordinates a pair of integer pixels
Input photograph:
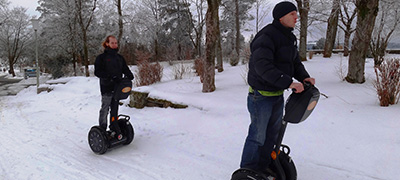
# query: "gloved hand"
{"type": "Point", "coordinates": [116, 79]}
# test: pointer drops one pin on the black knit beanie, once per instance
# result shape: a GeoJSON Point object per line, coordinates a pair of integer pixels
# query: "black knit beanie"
{"type": "Point", "coordinates": [283, 8]}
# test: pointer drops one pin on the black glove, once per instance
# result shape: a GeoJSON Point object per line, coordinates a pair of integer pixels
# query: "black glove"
{"type": "Point", "coordinates": [116, 79]}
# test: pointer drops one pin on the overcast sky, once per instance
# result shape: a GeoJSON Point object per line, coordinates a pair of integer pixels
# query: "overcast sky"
{"type": "Point", "coordinates": [30, 4]}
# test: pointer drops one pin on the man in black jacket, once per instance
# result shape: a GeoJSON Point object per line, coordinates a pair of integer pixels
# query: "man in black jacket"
{"type": "Point", "coordinates": [109, 67]}
{"type": "Point", "coordinates": [273, 64]}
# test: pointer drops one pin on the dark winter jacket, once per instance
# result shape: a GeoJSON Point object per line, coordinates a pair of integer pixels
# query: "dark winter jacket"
{"type": "Point", "coordinates": [274, 59]}
{"type": "Point", "coordinates": [109, 67]}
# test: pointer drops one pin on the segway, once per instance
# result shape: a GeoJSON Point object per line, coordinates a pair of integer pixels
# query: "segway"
{"type": "Point", "coordinates": [100, 140]}
{"type": "Point", "coordinates": [297, 108]}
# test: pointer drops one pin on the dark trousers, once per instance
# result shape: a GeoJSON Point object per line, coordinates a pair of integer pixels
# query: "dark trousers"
{"type": "Point", "coordinates": [109, 104]}
{"type": "Point", "coordinates": [266, 118]}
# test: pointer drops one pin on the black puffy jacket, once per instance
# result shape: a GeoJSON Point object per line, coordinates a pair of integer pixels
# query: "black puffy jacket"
{"type": "Point", "coordinates": [109, 67]}
{"type": "Point", "coordinates": [274, 59]}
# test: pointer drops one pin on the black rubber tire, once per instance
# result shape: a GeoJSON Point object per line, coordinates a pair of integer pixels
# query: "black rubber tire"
{"type": "Point", "coordinates": [247, 174]}
{"type": "Point", "coordinates": [97, 140]}
{"type": "Point", "coordinates": [126, 130]}
{"type": "Point", "coordinates": [288, 166]}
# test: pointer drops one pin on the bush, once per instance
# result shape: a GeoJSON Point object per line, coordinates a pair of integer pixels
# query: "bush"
{"type": "Point", "coordinates": [57, 66]}
{"type": "Point", "coordinates": [341, 69]}
{"type": "Point", "coordinates": [147, 73]}
{"type": "Point", "coordinates": [388, 81]}
{"type": "Point", "coordinates": [179, 70]}
{"type": "Point", "coordinates": [246, 54]}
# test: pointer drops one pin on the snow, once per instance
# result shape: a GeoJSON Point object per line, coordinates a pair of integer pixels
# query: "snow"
{"type": "Point", "coordinates": [348, 136]}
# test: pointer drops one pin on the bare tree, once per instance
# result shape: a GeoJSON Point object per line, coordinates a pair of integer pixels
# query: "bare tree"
{"type": "Point", "coordinates": [304, 8]}
{"type": "Point", "coordinates": [367, 12]}
{"type": "Point", "coordinates": [14, 36]}
{"type": "Point", "coordinates": [262, 10]}
{"type": "Point", "coordinates": [234, 16]}
{"type": "Point", "coordinates": [388, 20]}
{"type": "Point", "coordinates": [211, 38]}
{"type": "Point", "coordinates": [148, 21]}
{"type": "Point", "coordinates": [332, 28]}
{"type": "Point", "coordinates": [197, 26]}
{"type": "Point", "coordinates": [347, 17]}
{"type": "Point", "coordinates": [60, 25]}
{"type": "Point", "coordinates": [3, 11]}
{"type": "Point", "coordinates": [85, 13]}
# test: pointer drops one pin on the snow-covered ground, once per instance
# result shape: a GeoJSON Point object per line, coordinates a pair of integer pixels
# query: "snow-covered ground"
{"type": "Point", "coordinates": [348, 136]}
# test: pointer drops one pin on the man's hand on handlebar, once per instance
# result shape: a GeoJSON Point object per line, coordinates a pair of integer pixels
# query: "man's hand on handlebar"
{"type": "Point", "coordinates": [299, 87]}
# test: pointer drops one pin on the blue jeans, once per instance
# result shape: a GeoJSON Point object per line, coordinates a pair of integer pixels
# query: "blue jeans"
{"type": "Point", "coordinates": [266, 119]}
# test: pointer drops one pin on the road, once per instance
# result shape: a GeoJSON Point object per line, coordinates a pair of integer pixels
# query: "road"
{"type": "Point", "coordinates": [4, 80]}
{"type": "Point", "coordinates": [13, 86]}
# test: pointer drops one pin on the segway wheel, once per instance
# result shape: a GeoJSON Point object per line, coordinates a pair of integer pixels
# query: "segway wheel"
{"type": "Point", "coordinates": [247, 174]}
{"type": "Point", "coordinates": [97, 140]}
{"type": "Point", "coordinates": [288, 166]}
{"type": "Point", "coordinates": [127, 130]}
{"type": "Point", "coordinates": [286, 163]}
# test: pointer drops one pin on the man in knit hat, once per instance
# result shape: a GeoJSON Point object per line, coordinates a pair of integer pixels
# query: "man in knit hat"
{"type": "Point", "coordinates": [274, 62]}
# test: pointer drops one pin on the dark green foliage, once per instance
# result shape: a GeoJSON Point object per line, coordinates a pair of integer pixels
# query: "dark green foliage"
{"type": "Point", "coordinates": [56, 65]}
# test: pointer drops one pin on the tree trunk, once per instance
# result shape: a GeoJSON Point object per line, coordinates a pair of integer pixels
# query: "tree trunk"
{"type": "Point", "coordinates": [211, 39]}
{"type": "Point", "coordinates": [367, 11]}
{"type": "Point", "coordinates": [220, 63]}
{"type": "Point", "coordinates": [11, 65]}
{"type": "Point", "coordinates": [304, 8]}
{"type": "Point", "coordinates": [257, 13]}
{"type": "Point", "coordinates": [197, 45]}
{"type": "Point", "coordinates": [156, 49]}
{"type": "Point", "coordinates": [237, 23]}
{"type": "Point", "coordinates": [332, 29]}
{"type": "Point", "coordinates": [346, 44]}
{"type": "Point", "coordinates": [86, 53]}
{"type": "Point", "coordinates": [74, 62]}
{"type": "Point", "coordinates": [120, 22]}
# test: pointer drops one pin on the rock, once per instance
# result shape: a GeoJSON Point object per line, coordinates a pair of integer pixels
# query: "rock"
{"type": "Point", "coordinates": [140, 100]}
